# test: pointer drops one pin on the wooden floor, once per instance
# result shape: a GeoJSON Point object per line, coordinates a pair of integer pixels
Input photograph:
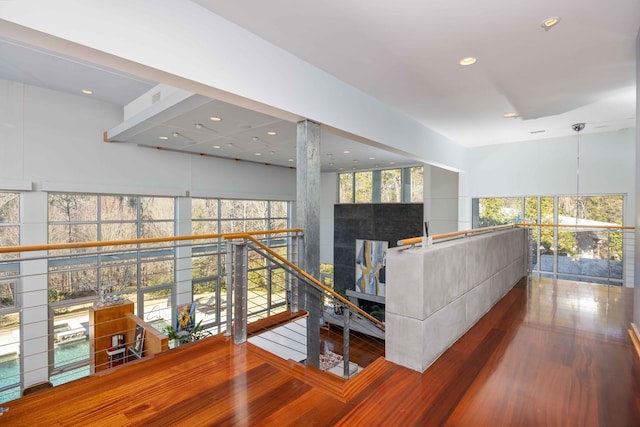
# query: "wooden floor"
{"type": "Point", "coordinates": [549, 353]}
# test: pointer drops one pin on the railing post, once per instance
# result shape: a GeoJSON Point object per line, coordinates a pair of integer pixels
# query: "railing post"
{"type": "Point", "coordinates": [345, 341]}
{"type": "Point", "coordinates": [240, 293]}
{"type": "Point", "coordinates": [296, 242]}
{"type": "Point", "coordinates": [229, 286]}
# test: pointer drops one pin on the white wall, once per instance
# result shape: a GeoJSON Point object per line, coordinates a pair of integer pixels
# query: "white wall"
{"type": "Point", "coordinates": [440, 199]}
{"type": "Point", "coordinates": [547, 167]}
{"type": "Point", "coordinates": [328, 197]}
{"type": "Point", "coordinates": [52, 141]}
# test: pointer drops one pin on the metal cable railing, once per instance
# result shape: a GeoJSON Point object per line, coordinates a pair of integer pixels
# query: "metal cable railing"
{"type": "Point", "coordinates": [349, 338]}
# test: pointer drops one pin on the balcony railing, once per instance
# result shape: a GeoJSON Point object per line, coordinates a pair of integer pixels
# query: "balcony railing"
{"type": "Point", "coordinates": [46, 292]}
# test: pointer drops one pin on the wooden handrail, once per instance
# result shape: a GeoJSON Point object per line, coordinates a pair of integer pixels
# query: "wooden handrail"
{"type": "Point", "coordinates": [603, 227]}
{"type": "Point", "coordinates": [310, 278]}
{"type": "Point", "coordinates": [414, 240]}
{"type": "Point", "coordinates": [122, 242]}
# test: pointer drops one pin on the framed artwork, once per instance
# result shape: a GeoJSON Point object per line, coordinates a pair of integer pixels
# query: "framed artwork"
{"type": "Point", "coordinates": [138, 341]}
{"type": "Point", "coordinates": [371, 266]}
{"type": "Point", "coordinates": [185, 316]}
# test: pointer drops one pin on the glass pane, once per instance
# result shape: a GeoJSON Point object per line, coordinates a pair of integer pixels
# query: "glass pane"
{"type": "Point", "coordinates": [118, 208]}
{"type": "Point", "coordinates": [9, 236]}
{"type": "Point", "coordinates": [547, 247]}
{"type": "Point", "coordinates": [279, 209]}
{"type": "Point", "coordinates": [391, 186]}
{"type": "Point", "coordinates": [204, 227]}
{"type": "Point", "coordinates": [157, 208]}
{"type": "Point", "coordinates": [9, 208]}
{"type": "Point", "coordinates": [73, 207]}
{"type": "Point", "coordinates": [204, 208]}
{"type": "Point", "coordinates": [417, 182]}
{"type": "Point", "coordinates": [157, 273]}
{"type": "Point", "coordinates": [499, 211]}
{"type": "Point", "coordinates": [118, 278]}
{"type": "Point", "coordinates": [157, 229]}
{"type": "Point", "coordinates": [157, 308]}
{"type": "Point", "coordinates": [68, 233]}
{"type": "Point", "coordinates": [346, 188]}
{"type": "Point", "coordinates": [118, 231]}
{"type": "Point", "coordinates": [205, 266]}
{"type": "Point", "coordinates": [205, 296]}
{"type": "Point", "coordinates": [364, 187]}
{"type": "Point", "coordinates": [71, 335]}
{"type": "Point", "coordinates": [531, 216]}
{"type": "Point", "coordinates": [7, 296]}
{"type": "Point", "coordinates": [72, 284]}
{"type": "Point", "coordinates": [243, 209]}
{"type": "Point", "coordinates": [9, 352]}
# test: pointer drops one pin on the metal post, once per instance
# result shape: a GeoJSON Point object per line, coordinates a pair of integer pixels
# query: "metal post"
{"type": "Point", "coordinates": [294, 305]}
{"type": "Point", "coordinates": [345, 341]}
{"type": "Point", "coordinates": [240, 293]}
{"type": "Point", "coordinates": [229, 286]}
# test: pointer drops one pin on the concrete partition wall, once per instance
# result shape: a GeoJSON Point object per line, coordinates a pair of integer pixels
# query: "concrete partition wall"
{"type": "Point", "coordinates": [435, 295]}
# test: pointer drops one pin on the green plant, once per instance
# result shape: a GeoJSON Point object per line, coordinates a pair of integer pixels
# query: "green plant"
{"type": "Point", "coordinates": [188, 334]}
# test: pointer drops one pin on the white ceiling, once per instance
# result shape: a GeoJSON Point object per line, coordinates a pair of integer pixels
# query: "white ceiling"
{"type": "Point", "coordinates": [406, 54]}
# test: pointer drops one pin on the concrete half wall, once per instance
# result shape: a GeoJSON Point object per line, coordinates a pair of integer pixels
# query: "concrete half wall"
{"type": "Point", "coordinates": [435, 295]}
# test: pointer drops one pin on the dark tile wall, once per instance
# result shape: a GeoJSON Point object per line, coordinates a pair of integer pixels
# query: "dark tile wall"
{"type": "Point", "coordinates": [383, 221]}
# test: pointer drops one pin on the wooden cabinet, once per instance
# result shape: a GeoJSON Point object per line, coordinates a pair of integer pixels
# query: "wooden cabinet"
{"type": "Point", "coordinates": [104, 322]}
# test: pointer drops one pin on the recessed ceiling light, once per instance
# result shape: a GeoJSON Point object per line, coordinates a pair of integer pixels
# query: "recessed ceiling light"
{"type": "Point", "coordinates": [291, 160]}
{"type": "Point", "coordinates": [549, 23]}
{"type": "Point", "coordinates": [87, 91]}
{"type": "Point", "coordinates": [372, 158]}
{"type": "Point", "coordinates": [215, 118]}
{"type": "Point", "coordinates": [258, 154]}
{"type": "Point", "coordinates": [272, 132]}
{"type": "Point", "coordinates": [469, 60]}
{"type": "Point", "coordinates": [164, 137]}
{"type": "Point", "coordinates": [346, 152]}
{"type": "Point", "coordinates": [217, 147]}
{"type": "Point", "coordinates": [510, 115]}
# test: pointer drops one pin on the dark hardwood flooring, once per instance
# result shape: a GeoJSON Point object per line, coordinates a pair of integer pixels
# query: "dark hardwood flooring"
{"type": "Point", "coordinates": [550, 353]}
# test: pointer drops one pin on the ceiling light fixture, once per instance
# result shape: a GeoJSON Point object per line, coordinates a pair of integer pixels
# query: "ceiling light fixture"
{"type": "Point", "coordinates": [346, 152]}
{"type": "Point", "coordinates": [549, 23]}
{"type": "Point", "coordinates": [510, 115]}
{"type": "Point", "coordinates": [87, 91]}
{"type": "Point", "coordinates": [200, 126]}
{"type": "Point", "coordinates": [217, 147]}
{"type": "Point", "coordinates": [164, 138]}
{"type": "Point", "coordinates": [291, 160]}
{"type": "Point", "coordinates": [469, 60]}
{"type": "Point", "coordinates": [272, 133]}
{"type": "Point", "coordinates": [215, 119]}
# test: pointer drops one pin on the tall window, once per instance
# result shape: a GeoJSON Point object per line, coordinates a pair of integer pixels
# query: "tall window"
{"type": "Point", "coordinates": [385, 186]}
{"type": "Point", "coordinates": [9, 287]}
{"type": "Point", "coordinates": [572, 253]}
{"type": "Point", "coordinates": [266, 283]}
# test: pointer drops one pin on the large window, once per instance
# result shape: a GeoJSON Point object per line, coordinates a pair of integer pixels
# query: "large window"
{"type": "Point", "coordinates": [569, 251]}
{"type": "Point", "coordinates": [266, 282]}
{"type": "Point", "coordinates": [399, 185]}
{"type": "Point", "coordinates": [9, 313]}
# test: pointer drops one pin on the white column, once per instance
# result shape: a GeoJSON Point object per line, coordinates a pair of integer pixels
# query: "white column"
{"type": "Point", "coordinates": [33, 293]}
